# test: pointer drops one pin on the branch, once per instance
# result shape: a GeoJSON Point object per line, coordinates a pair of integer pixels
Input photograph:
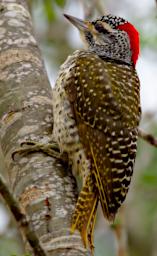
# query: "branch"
{"type": "Point", "coordinates": [89, 8]}
{"type": "Point", "coordinates": [101, 8]}
{"type": "Point", "coordinates": [149, 138]}
{"type": "Point", "coordinates": [21, 219]}
{"type": "Point", "coordinates": [119, 229]}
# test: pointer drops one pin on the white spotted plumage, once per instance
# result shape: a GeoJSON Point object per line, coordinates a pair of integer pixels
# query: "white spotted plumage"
{"type": "Point", "coordinates": [65, 130]}
{"type": "Point", "coordinates": [96, 107]}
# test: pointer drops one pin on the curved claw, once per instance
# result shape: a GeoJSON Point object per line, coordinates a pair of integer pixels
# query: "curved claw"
{"type": "Point", "coordinates": [28, 147]}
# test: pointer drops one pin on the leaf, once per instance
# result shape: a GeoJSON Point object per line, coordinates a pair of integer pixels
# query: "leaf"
{"type": "Point", "coordinates": [60, 3]}
{"type": "Point", "coordinates": [49, 10]}
{"type": "Point", "coordinates": [149, 179]}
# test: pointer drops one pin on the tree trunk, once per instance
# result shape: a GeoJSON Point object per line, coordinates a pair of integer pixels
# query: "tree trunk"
{"type": "Point", "coordinates": [43, 187]}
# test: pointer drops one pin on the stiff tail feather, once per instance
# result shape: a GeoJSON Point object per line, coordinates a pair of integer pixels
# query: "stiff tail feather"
{"type": "Point", "coordinates": [91, 227]}
{"type": "Point", "coordinates": [101, 190]}
{"type": "Point", "coordinates": [84, 215]}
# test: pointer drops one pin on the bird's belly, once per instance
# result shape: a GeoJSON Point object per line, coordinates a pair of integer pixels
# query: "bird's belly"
{"type": "Point", "coordinates": [66, 134]}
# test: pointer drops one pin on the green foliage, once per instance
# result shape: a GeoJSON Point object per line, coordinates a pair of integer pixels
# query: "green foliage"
{"type": "Point", "coordinates": [60, 3]}
{"type": "Point", "coordinates": [9, 247]}
{"type": "Point", "coordinates": [49, 10]}
{"type": "Point", "coordinates": [147, 28]}
{"type": "Point", "coordinates": [147, 180]}
{"type": "Point", "coordinates": [148, 177]}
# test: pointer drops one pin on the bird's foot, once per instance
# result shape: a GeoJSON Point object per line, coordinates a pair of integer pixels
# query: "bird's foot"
{"type": "Point", "coordinates": [50, 149]}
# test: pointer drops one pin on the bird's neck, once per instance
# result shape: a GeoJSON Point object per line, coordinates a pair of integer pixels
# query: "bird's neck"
{"type": "Point", "coordinates": [107, 52]}
{"type": "Point", "coordinates": [116, 50]}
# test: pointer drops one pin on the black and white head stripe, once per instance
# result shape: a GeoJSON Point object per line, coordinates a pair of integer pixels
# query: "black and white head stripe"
{"type": "Point", "coordinates": [112, 20]}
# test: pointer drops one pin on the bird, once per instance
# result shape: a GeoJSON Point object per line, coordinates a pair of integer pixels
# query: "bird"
{"type": "Point", "coordinates": [96, 109]}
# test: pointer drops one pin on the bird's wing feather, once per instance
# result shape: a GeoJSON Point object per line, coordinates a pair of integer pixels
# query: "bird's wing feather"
{"type": "Point", "coordinates": [105, 100]}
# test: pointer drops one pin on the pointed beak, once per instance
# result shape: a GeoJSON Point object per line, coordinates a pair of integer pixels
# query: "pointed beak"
{"type": "Point", "coordinates": [80, 24]}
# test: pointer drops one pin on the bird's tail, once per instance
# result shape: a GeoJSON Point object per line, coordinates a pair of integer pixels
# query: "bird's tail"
{"type": "Point", "coordinates": [102, 191]}
{"type": "Point", "coordinates": [85, 212]}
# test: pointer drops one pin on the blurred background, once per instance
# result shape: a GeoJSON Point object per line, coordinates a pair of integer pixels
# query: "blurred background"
{"type": "Point", "coordinates": [136, 224]}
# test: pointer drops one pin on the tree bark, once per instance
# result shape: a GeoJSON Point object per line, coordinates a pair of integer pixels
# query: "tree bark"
{"type": "Point", "coordinates": [43, 187]}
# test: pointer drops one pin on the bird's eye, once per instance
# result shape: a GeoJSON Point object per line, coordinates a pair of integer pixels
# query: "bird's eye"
{"type": "Point", "coordinates": [100, 28]}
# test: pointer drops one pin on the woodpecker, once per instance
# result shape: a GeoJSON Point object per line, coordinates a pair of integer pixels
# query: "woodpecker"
{"type": "Point", "coordinates": [96, 107]}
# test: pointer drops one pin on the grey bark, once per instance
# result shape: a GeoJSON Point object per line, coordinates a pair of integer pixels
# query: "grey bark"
{"type": "Point", "coordinates": [43, 187]}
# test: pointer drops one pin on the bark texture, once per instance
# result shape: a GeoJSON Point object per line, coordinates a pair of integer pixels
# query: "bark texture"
{"type": "Point", "coordinates": [44, 188]}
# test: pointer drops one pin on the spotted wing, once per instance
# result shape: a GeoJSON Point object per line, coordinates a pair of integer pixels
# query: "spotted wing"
{"type": "Point", "coordinates": [107, 111]}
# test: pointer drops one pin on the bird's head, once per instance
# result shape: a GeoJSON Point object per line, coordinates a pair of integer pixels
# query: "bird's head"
{"type": "Point", "coordinates": [109, 37]}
